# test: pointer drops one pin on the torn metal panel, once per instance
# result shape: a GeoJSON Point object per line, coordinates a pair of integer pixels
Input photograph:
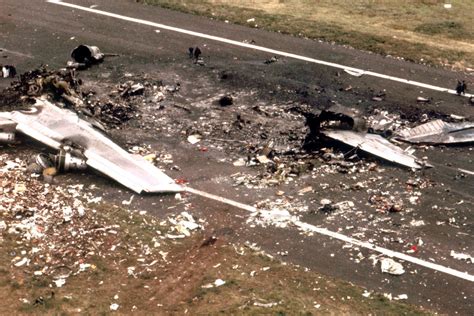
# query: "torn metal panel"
{"type": "Point", "coordinates": [56, 127]}
{"type": "Point", "coordinates": [439, 132]}
{"type": "Point", "coordinates": [375, 145]}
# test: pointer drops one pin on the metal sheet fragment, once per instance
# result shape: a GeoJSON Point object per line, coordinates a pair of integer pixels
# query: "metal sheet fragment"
{"type": "Point", "coordinates": [439, 132]}
{"type": "Point", "coordinates": [375, 145]}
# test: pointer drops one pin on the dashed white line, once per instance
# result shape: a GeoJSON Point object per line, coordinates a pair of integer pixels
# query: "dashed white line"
{"type": "Point", "coordinates": [323, 231]}
{"type": "Point", "coordinates": [256, 47]}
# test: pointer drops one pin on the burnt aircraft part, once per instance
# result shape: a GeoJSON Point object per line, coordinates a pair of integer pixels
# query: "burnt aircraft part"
{"type": "Point", "coordinates": [375, 145]}
{"type": "Point", "coordinates": [54, 126]}
{"type": "Point", "coordinates": [8, 71]}
{"type": "Point", "coordinates": [439, 132]}
{"type": "Point", "coordinates": [87, 54]}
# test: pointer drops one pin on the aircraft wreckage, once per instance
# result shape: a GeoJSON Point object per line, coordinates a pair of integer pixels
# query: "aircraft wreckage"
{"type": "Point", "coordinates": [63, 130]}
{"type": "Point", "coordinates": [345, 125]}
{"type": "Point", "coordinates": [439, 132]}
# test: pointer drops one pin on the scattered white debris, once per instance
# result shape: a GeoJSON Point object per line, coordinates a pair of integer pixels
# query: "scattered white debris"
{"type": "Point", "coordinates": [59, 282]}
{"type": "Point", "coordinates": [84, 266]}
{"type": "Point", "coordinates": [125, 202]}
{"type": "Point", "coordinates": [263, 159]}
{"type": "Point", "coordinates": [277, 217]}
{"type": "Point", "coordinates": [239, 162]}
{"type": "Point", "coordinates": [325, 202]}
{"type": "Point", "coordinates": [462, 256]}
{"type": "Point", "coordinates": [305, 190]}
{"type": "Point", "coordinates": [457, 117]}
{"type": "Point", "coordinates": [266, 305]}
{"type": "Point", "coordinates": [194, 139]}
{"type": "Point", "coordinates": [388, 296]}
{"type": "Point", "coordinates": [401, 297]}
{"type": "Point", "coordinates": [67, 214]}
{"type": "Point", "coordinates": [22, 262]}
{"type": "Point", "coordinates": [114, 306]}
{"type": "Point", "coordinates": [184, 223]}
{"type": "Point", "coordinates": [219, 282]}
{"type": "Point", "coordinates": [417, 223]}
{"type": "Point", "coordinates": [422, 100]}
{"type": "Point", "coordinates": [216, 283]}
{"type": "Point", "coordinates": [390, 266]}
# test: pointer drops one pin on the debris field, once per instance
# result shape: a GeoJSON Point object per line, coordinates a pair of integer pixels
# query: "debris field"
{"type": "Point", "coordinates": [384, 174]}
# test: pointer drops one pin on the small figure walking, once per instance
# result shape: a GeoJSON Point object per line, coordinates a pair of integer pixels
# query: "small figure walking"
{"type": "Point", "coordinates": [197, 53]}
{"type": "Point", "coordinates": [194, 52]}
{"type": "Point", "coordinates": [461, 87]}
{"type": "Point", "coordinates": [464, 87]}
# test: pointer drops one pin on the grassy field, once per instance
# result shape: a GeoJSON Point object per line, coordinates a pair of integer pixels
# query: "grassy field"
{"type": "Point", "coordinates": [417, 30]}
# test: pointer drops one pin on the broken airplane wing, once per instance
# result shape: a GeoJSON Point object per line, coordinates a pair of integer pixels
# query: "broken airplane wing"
{"type": "Point", "coordinates": [54, 126]}
{"type": "Point", "coordinates": [375, 145]}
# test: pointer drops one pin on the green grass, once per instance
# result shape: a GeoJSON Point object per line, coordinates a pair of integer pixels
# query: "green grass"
{"type": "Point", "coordinates": [450, 29]}
{"type": "Point", "coordinates": [418, 30]}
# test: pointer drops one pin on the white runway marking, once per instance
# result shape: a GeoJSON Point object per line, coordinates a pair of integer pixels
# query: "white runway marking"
{"type": "Point", "coordinates": [323, 231]}
{"type": "Point", "coordinates": [259, 48]}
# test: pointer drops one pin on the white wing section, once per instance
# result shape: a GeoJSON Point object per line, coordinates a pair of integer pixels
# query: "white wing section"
{"type": "Point", "coordinates": [53, 126]}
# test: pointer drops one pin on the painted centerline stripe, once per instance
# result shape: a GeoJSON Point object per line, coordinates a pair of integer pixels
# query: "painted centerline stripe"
{"type": "Point", "coordinates": [326, 232]}
{"type": "Point", "coordinates": [259, 48]}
